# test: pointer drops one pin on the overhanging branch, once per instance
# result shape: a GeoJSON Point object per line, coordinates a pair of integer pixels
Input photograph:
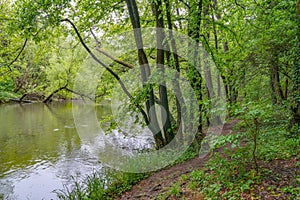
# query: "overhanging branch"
{"type": "Point", "coordinates": [125, 64]}
{"type": "Point", "coordinates": [17, 57]}
{"type": "Point", "coordinates": [116, 76]}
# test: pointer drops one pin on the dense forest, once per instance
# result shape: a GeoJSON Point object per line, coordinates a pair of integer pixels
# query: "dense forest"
{"type": "Point", "coordinates": [241, 61]}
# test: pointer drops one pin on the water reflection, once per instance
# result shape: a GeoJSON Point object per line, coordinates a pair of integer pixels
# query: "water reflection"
{"type": "Point", "coordinates": [40, 150]}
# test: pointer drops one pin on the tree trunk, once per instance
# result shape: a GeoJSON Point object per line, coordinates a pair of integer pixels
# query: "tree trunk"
{"type": "Point", "coordinates": [194, 75]}
{"type": "Point", "coordinates": [275, 84]}
{"type": "Point", "coordinates": [294, 124]}
{"type": "Point", "coordinates": [145, 73]}
{"type": "Point", "coordinates": [180, 104]}
{"type": "Point", "coordinates": [216, 120]}
{"type": "Point", "coordinates": [48, 99]}
{"type": "Point", "coordinates": [160, 36]}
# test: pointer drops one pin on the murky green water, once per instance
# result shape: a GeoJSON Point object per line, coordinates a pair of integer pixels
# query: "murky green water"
{"type": "Point", "coordinates": [40, 150]}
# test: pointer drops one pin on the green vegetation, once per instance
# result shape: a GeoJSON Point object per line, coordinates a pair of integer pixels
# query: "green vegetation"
{"type": "Point", "coordinates": [233, 172]}
{"type": "Point", "coordinates": [251, 67]}
{"type": "Point", "coordinates": [235, 176]}
{"type": "Point", "coordinates": [105, 185]}
{"type": "Point", "coordinates": [253, 45]}
{"type": "Point", "coordinates": [109, 184]}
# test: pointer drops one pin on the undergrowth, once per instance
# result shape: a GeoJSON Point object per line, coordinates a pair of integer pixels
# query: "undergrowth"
{"type": "Point", "coordinates": [244, 168]}
{"type": "Point", "coordinates": [107, 184]}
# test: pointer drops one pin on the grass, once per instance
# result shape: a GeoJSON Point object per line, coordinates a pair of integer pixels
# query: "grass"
{"type": "Point", "coordinates": [109, 184]}
{"type": "Point", "coordinates": [232, 174]}
{"type": "Point", "coordinates": [105, 185]}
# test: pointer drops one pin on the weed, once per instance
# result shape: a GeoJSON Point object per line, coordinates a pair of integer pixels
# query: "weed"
{"type": "Point", "coordinates": [175, 189]}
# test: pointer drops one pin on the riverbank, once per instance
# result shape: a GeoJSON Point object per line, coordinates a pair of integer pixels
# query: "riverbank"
{"type": "Point", "coordinates": [10, 97]}
{"type": "Point", "coordinates": [194, 180]}
{"type": "Point", "coordinates": [228, 172]}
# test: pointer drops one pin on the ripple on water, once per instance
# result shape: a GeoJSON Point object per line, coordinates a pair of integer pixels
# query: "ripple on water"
{"type": "Point", "coordinates": [40, 179]}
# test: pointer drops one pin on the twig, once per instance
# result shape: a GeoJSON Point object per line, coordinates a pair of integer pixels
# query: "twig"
{"type": "Point", "coordinates": [80, 94]}
{"type": "Point", "coordinates": [185, 3]}
{"type": "Point", "coordinates": [242, 6]}
{"type": "Point", "coordinates": [155, 188]}
{"type": "Point", "coordinates": [98, 45]}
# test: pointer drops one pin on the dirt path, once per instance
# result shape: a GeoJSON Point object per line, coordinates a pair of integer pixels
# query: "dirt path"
{"type": "Point", "coordinates": [159, 182]}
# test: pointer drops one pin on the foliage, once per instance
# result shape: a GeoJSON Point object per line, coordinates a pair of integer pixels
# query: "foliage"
{"type": "Point", "coordinates": [231, 174]}
{"type": "Point", "coordinates": [110, 183]}
{"type": "Point", "coordinates": [254, 44]}
{"type": "Point", "coordinates": [6, 96]}
{"type": "Point", "coordinates": [105, 185]}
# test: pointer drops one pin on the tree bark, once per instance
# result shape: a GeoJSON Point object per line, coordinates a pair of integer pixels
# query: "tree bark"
{"type": "Point", "coordinates": [275, 84]}
{"type": "Point", "coordinates": [145, 73]}
{"type": "Point", "coordinates": [294, 124]}
{"type": "Point", "coordinates": [160, 61]}
{"type": "Point", "coordinates": [180, 104]}
{"type": "Point", "coordinates": [48, 99]}
{"type": "Point", "coordinates": [194, 75]}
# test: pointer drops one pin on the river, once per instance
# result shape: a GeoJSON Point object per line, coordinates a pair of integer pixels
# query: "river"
{"type": "Point", "coordinates": [41, 151]}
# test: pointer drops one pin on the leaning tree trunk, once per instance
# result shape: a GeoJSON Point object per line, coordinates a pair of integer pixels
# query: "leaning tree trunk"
{"type": "Point", "coordinates": [48, 99]}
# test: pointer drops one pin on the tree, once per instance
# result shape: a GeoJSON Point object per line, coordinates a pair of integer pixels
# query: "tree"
{"type": "Point", "coordinates": [245, 40]}
{"type": "Point", "coordinates": [295, 105]}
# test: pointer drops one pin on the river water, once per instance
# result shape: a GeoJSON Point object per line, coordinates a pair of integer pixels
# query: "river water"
{"type": "Point", "coordinates": [40, 150]}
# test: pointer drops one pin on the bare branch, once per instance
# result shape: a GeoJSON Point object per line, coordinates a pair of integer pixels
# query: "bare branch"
{"type": "Point", "coordinates": [98, 45]}
{"type": "Point", "coordinates": [78, 93]}
{"type": "Point", "coordinates": [54, 92]}
{"type": "Point", "coordinates": [125, 64]}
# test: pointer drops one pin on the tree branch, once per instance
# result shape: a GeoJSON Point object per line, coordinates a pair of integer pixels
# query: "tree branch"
{"type": "Point", "coordinates": [185, 3]}
{"type": "Point", "coordinates": [16, 58]}
{"type": "Point", "coordinates": [109, 70]}
{"type": "Point", "coordinates": [125, 64]}
{"type": "Point", "coordinates": [80, 94]}
{"type": "Point", "coordinates": [53, 93]}
{"type": "Point", "coordinates": [242, 6]}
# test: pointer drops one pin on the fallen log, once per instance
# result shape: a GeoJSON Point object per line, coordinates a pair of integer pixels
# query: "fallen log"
{"type": "Point", "coordinates": [21, 101]}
